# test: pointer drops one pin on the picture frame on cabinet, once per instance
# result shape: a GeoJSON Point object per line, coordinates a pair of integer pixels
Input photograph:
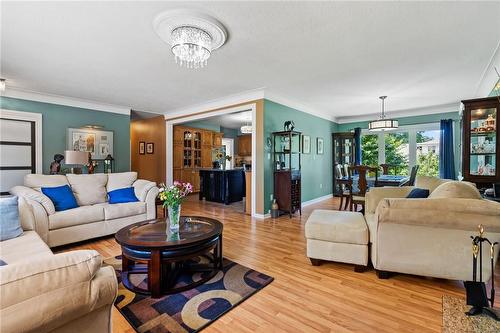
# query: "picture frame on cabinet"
{"type": "Point", "coordinates": [142, 147]}
{"type": "Point", "coordinates": [306, 144]}
{"type": "Point", "coordinates": [150, 148]}
{"type": "Point", "coordinates": [320, 147]}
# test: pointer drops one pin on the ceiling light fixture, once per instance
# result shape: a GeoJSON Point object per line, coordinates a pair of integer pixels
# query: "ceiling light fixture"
{"type": "Point", "coordinates": [192, 36]}
{"type": "Point", "coordinates": [2, 85]}
{"type": "Point", "coordinates": [382, 124]}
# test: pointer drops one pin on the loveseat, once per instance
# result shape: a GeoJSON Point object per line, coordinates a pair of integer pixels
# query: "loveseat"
{"type": "Point", "coordinates": [45, 292]}
{"type": "Point", "coordinates": [430, 236]}
{"type": "Point", "coordinates": [95, 216]}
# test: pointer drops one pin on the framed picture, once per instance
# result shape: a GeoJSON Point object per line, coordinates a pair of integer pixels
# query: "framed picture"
{"type": "Point", "coordinates": [150, 148]}
{"type": "Point", "coordinates": [306, 144]}
{"type": "Point", "coordinates": [320, 148]}
{"type": "Point", "coordinates": [98, 143]}
{"type": "Point", "coordinates": [142, 147]}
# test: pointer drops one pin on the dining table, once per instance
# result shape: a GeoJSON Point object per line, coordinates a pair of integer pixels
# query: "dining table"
{"type": "Point", "coordinates": [382, 180]}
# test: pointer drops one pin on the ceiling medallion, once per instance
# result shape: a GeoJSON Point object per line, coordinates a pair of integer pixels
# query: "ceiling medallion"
{"type": "Point", "coordinates": [383, 123]}
{"type": "Point", "coordinates": [192, 36]}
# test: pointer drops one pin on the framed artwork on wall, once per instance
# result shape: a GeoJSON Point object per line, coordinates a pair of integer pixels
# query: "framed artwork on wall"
{"type": "Point", "coordinates": [306, 144]}
{"type": "Point", "coordinates": [150, 148]}
{"type": "Point", "coordinates": [320, 146]}
{"type": "Point", "coordinates": [97, 142]}
{"type": "Point", "coordinates": [142, 147]}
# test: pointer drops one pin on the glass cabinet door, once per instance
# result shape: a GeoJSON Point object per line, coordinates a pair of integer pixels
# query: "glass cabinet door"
{"type": "Point", "coordinates": [483, 128]}
{"type": "Point", "coordinates": [187, 145]}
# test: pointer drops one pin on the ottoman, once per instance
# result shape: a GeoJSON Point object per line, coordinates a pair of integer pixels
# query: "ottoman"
{"type": "Point", "coordinates": [337, 236]}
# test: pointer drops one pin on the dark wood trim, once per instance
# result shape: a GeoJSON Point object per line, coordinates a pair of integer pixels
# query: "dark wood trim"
{"type": "Point", "coordinates": [33, 148]}
{"type": "Point", "coordinates": [15, 143]}
{"type": "Point", "coordinates": [16, 167]}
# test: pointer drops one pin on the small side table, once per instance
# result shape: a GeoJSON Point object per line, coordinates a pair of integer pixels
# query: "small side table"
{"type": "Point", "coordinates": [158, 202]}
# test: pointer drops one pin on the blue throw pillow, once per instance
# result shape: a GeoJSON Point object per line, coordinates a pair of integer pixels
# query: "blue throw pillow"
{"type": "Point", "coordinates": [2, 263]}
{"type": "Point", "coordinates": [62, 197]}
{"type": "Point", "coordinates": [122, 195]}
{"type": "Point", "coordinates": [10, 226]}
{"type": "Point", "coordinates": [417, 193]}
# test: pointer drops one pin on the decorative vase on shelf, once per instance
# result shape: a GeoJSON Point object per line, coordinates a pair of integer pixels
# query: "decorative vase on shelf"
{"type": "Point", "coordinates": [174, 215]}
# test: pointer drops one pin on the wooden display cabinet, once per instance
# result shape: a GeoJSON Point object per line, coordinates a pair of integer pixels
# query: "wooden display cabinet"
{"type": "Point", "coordinates": [481, 141]}
{"type": "Point", "coordinates": [344, 152]}
{"type": "Point", "coordinates": [287, 176]}
{"type": "Point", "coordinates": [245, 145]}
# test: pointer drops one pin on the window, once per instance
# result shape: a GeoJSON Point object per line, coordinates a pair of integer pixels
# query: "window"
{"type": "Point", "coordinates": [404, 148]}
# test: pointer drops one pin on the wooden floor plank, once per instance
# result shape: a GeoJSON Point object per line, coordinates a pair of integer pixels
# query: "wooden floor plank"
{"type": "Point", "coordinates": [305, 298]}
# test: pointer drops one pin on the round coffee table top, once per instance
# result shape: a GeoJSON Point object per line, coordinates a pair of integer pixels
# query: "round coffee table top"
{"type": "Point", "coordinates": [156, 233]}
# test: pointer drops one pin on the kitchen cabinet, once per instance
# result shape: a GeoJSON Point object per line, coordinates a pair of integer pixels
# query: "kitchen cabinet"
{"type": "Point", "coordinates": [245, 145]}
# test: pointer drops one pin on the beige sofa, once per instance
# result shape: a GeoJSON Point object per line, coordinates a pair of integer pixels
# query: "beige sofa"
{"type": "Point", "coordinates": [42, 292]}
{"type": "Point", "coordinates": [430, 237]}
{"type": "Point", "coordinates": [94, 217]}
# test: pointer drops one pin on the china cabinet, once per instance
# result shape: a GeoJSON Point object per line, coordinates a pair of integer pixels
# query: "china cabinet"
{"type": "Point", "coordinates": [287, 177]}
{"type": "Point", "coordinates": [344, 152]}
{"type": "Point", "coordinates": [480, 141]}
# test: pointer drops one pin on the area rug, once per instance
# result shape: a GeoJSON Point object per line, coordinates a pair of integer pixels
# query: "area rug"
{"type": "Point", "coordinates": [191, 310]}
{"type": "Point", "coordinates": [455, 320]}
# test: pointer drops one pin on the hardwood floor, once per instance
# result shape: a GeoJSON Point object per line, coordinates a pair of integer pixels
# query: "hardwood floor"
{"type": "Point", "coordinates": [306, 298]}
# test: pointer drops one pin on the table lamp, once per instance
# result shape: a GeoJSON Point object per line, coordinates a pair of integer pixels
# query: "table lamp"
{"type": "Point", "coordinates": [76, 158]}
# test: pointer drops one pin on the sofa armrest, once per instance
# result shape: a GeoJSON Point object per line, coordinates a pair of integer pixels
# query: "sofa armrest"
{"type": "Point", "coordinates": [34, 217]}
{"type": "Point", "coordinates": [142, 187]}
{"type": "Point", "coordinates": [31, 194]}
{"type": "Point", "coordinates": [376, 194]}
{"type": "Point", "coordinates": [39, 296]}
{"type": "Point", "coordinates": [447, 213]}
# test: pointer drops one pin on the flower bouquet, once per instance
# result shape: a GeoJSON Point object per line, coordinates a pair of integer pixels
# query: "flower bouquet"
{"type": "Point", "coordinates": [172, 197]}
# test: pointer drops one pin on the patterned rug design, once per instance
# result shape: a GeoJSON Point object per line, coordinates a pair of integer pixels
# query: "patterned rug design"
{"type": "Point", "coordinates": [455, 320]}
{"type": "Point", "coordinates": [191, 310]}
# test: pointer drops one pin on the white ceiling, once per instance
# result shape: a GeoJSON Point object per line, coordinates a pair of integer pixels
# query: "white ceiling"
{"type": "Point", "coordinates": [231, 120]}
{"type": "Point", "coordinates": [333, 57]}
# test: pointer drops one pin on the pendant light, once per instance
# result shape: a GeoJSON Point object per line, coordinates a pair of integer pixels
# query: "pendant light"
{"type": "Point", "coordinates": [382, 124]}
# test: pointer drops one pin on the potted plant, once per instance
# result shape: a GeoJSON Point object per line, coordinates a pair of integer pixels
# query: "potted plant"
{"type": "Point", "coordinates": [172, 197]}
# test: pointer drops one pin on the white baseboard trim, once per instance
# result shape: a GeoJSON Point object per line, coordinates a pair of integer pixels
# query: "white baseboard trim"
{"type": "Point", "coordinates": [316, 200]}
{"type": "Point", "coordinates": [262, 216]}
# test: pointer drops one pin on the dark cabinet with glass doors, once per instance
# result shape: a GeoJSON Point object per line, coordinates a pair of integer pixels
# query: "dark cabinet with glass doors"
{"type": "Point", "coordinates": [344, 152]}
{"type": "Point", "coordinates": [480, 141]}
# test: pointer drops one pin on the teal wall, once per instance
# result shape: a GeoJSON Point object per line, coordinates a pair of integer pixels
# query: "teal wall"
{"type": "Point", "coordinates": [202, 125]}
{"type": "Point", "coordinates": [57, 118]}
{"type": "Point", "coordinates": [415, 120]}
{"type": "Point", "coordinates": [316, 169]}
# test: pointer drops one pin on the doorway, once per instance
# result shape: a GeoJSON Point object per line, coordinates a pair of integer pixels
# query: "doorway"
{"type": "Point", "coordinates": [228, 144]}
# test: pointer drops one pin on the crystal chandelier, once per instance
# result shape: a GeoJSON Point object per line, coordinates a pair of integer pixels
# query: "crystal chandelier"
{"type": "Point", "coordinates": [382, 123]}
{"type": "Point", "coordinates": [246, 129]}
{"type": "Point", "coordinates": [191, 46]}
{"type": "Point", "coordinates": [192, 35]}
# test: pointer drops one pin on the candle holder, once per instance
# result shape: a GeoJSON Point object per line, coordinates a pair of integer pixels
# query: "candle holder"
{"type": "Point", "coordinates": [477, 295]}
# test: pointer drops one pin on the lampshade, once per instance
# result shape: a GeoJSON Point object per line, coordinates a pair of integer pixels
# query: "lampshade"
{"type": "Point", "coordinates": [382, 125]}
{"type": "Point", "coordinates": [76, 157]}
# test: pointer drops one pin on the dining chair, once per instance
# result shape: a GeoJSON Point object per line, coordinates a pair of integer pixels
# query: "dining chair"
{"type": "Point", "coordinates": [342, 181]}
{"type": "Point", "coordinates": [413, 177]}
{"type": "Point", "coordinates": [357, 195]}
{"type": "Point", "coordinates": [385, 168]}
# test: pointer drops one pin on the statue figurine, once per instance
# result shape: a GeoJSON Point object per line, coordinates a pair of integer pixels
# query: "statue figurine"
{"type": "Point", "coordinates": [91, 165]}
{"type": "Point", "coordinates": [289, 125]}
{"type": "Point", "coordinates": [55, 166]}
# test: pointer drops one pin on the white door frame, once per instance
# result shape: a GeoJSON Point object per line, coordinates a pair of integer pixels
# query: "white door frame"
{"type": "Point", "coordinates": [169, 128]}
{"type": "Point", "coordinates": [230, 141]}
{"type": "Point", "coordinates": [37, 119]}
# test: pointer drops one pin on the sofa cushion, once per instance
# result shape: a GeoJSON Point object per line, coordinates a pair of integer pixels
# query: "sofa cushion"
{"type": "Point", "coordinates": [76, 216]}
{"type": "Point", "coordinates": [120, 180]}
{"type": "Point", "coordinates": [418, 193]}
{"type": "Point", "coordinates": [116, 211]}
{"type": "Point", "coordinates": [25, 247]}
{"type": "Point", "coordinates": [455, 189]}
{"type": "Point", "coordinates": [61, 196]}
{"type": "Point", "coordinates": [10, 225]}
{"type": "Point", "coordinates": [89, 189]}
{"type": "Point", "coordinates": [122, 195]}
{"type": "Point", "coordinates": [430, 183]}
{"type": "Point", "coordinates": [37, 181]}
{"type": "Point", "coordinates": [336, 226]}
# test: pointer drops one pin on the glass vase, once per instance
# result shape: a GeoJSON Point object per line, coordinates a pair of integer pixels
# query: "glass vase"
{"type": "Point", "coordinates": [174, 215]}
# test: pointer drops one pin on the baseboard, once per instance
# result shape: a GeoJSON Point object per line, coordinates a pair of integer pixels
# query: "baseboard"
{"type": "Point", "coordinates": [262, 216]}
{"type": "Point", "coordinates": [316, 200]}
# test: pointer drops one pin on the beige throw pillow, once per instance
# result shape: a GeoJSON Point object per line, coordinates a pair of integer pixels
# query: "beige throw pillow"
{"type": "Point", "coordinates": [120, 180]}
{"type": "Point", "coordinates": [456, 189]}
{"type": "Point", "coordinates": [89, 189]}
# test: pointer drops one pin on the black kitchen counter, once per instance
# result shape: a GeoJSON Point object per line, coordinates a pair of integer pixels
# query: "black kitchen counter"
{"type": "Point", "coordinates": [224, 186]}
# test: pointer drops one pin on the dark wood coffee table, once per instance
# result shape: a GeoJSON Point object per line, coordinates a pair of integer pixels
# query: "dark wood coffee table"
{"type": "Point", "coordinates": [150, 248]}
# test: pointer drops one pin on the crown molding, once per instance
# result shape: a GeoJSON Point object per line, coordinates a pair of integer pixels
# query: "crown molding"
{"type": "Point", "coordinates": [443, 108]}
{"type": "Point", "coordinates": [63, 100]}
{"type": "Point", "coordinates": [243, 97]}
{"type": "Point", "coordinates": [297, 106]}
{"type": "Point", "coordinates": [489, 76]}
